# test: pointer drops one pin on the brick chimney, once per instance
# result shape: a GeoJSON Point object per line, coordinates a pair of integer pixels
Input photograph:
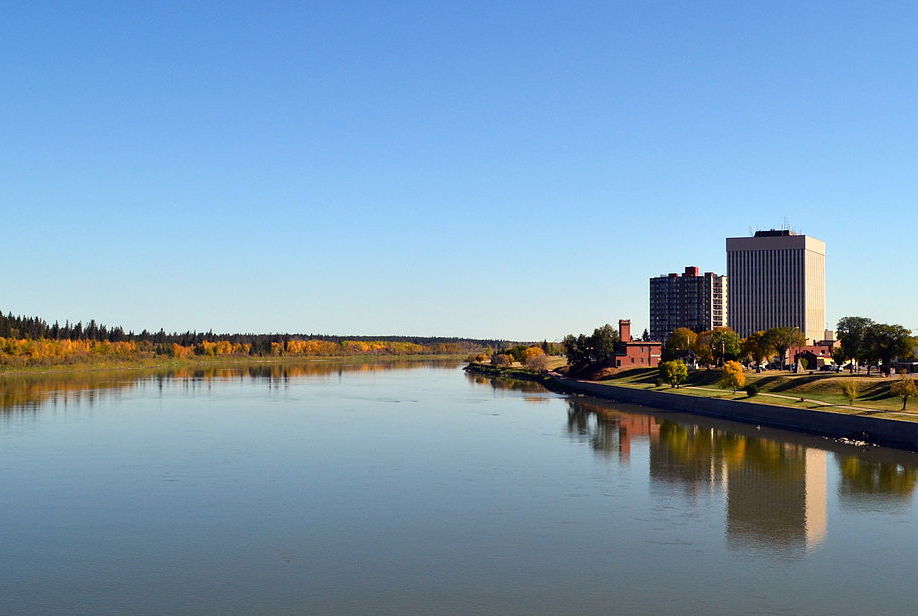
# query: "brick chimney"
{"type": "Point", "coordinates": [624, 330]}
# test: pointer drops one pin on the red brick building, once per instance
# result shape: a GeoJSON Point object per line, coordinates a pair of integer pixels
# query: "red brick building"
{"type": "Point", "coordinates": [632, 353]}
{"type": "Point", "coordinates": [816, 355]}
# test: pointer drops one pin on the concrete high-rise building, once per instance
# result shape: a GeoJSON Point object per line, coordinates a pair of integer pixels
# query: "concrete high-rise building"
{"type": "Point", "coordinates": [692, 300]}
{"type": "Point", "coordinates": [777, 279]}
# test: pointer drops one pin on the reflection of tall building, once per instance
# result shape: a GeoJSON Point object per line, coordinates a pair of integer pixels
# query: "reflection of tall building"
{"type": "Point", "coordinates": [817, 482]}
{"type": "Point", "coordinates": [777, 495]}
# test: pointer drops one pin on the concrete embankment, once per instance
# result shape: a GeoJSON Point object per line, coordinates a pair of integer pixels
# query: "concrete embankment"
{"type": "Point", "coordinates": [886, 432]}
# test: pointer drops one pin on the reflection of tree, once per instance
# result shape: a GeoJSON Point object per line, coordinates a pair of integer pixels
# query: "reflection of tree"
{"type": "Point", "coordinates": [529, 387]}
{"type": "Point", "coordinates": [685, 455]}
{"type": "Point", "coordinates": [599, 429]}
{"type": "Point", "coordinates": [864, 480]}
{"type": "Point", "coordinates": [31, 389]}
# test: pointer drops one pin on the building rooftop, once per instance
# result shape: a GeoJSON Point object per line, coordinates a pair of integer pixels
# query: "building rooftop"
{"type": "Point", "coordinates": [690, 272]}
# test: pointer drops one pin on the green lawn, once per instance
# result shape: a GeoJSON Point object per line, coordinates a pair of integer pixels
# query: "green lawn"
{"type": "Point", "coordinates": [785, 389]}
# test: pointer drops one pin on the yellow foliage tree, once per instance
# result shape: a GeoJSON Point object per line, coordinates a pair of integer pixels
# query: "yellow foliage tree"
{"type": "Point", "coordinates": [904, 388]}
{"type": "Point", "coordinates": [181, 352]}
{"type": "Point", "coordinates": [734, 375]}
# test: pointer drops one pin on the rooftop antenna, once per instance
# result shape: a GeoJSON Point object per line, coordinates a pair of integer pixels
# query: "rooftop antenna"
{"type": "Point", "coordinates": [786, 226]}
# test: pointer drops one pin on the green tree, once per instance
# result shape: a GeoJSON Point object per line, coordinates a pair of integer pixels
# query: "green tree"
{"type": "Point", "coordinates": [756, 347]}
{"type": "Point", "coordinates": [838, 356]}
{"type": "Point", "coordinates": [852, 333]}
{"type": "Point", "coordinates": [885, 342]}
{"type": "Point", "coordinates": [517, 352]}
{"type": "Point", "coordinates": [725, 343]}
{"type": "Point", "coordinates": [594, 351]}
{"type": "Point", "coordinates": [904, 388]}
{"type": "Point", "coordinates": [734, 376]}
{"type": "Point", "coordinates": [702, 348]}
{"type": "Point", "coordinates": [850, 390]}
{"type": "Point", "coordinates": [680, 342]}
{"type": "Point", "coordinates": [674, 372]}
{"type": "Point", "coordinates": [783, 338]}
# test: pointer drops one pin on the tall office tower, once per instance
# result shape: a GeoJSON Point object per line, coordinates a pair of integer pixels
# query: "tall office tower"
{"type": "Point", "coordinates": [690, 300]}
{"type": "Point", "coordinates": [777, 279]}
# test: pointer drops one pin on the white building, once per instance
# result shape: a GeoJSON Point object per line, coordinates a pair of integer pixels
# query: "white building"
{"type": "Point", "coordinates": [777, 279]}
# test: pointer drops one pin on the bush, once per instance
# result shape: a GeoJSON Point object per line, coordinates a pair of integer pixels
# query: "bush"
{"type": "Point", "coordinates": [659, 382]}
{"type": "Point", "coordinates": [752, 390]}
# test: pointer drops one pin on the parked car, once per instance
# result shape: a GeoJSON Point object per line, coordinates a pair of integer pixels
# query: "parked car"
{"type": "Point", "coordinates": [830, 368]}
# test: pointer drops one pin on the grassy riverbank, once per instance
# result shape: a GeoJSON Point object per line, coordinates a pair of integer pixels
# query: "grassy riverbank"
{"type": "Point", "coordinates": [817, 391]}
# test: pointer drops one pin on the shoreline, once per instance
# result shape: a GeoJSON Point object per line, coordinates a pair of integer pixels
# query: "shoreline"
{"type": "Point", "coordinates": [872, 430]}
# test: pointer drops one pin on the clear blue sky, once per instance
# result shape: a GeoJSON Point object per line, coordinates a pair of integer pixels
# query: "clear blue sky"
{"type": "Point", "coordinates": [484, 169]}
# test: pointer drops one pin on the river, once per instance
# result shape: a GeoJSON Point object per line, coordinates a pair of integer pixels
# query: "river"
{"type": "Point", "coordinates": [412, 488]}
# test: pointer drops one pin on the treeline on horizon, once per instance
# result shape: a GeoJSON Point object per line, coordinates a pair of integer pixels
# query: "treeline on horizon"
{"type": "Point", "coordinates": [26, 340]}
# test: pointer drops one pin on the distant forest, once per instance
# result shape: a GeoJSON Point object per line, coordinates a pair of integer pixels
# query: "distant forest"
{"type": "Point", "coordinates": [33, 340]}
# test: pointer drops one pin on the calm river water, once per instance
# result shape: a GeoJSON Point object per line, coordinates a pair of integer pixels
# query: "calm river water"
{"type": "Point", "coordinates": [412, 488]}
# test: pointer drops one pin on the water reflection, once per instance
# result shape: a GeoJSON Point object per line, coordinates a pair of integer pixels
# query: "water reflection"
{"type": "Point", "coordinates": [609, 432]}
{"type": "Point", "coordinates": [29, 391]}
{"type": "Point", "coordinates": [869, 483]}
{"type": "Point", "coordinates": [774, 484]}
{"type": "Point", "coordinates": [776, 495]}
{"type": "Point", "coordinates": [510, 385]}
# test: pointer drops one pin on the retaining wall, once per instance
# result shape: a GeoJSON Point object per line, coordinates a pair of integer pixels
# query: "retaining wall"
{"type": "Point", "coordinates": [887, 432]}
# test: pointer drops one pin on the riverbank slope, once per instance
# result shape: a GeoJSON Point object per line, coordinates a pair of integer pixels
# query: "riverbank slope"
{"type": "Point", "coordinates": [825, 420]}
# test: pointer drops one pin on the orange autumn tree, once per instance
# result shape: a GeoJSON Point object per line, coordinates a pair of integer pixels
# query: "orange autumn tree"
{"type": "Point", "coordinates": [534, 358]}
